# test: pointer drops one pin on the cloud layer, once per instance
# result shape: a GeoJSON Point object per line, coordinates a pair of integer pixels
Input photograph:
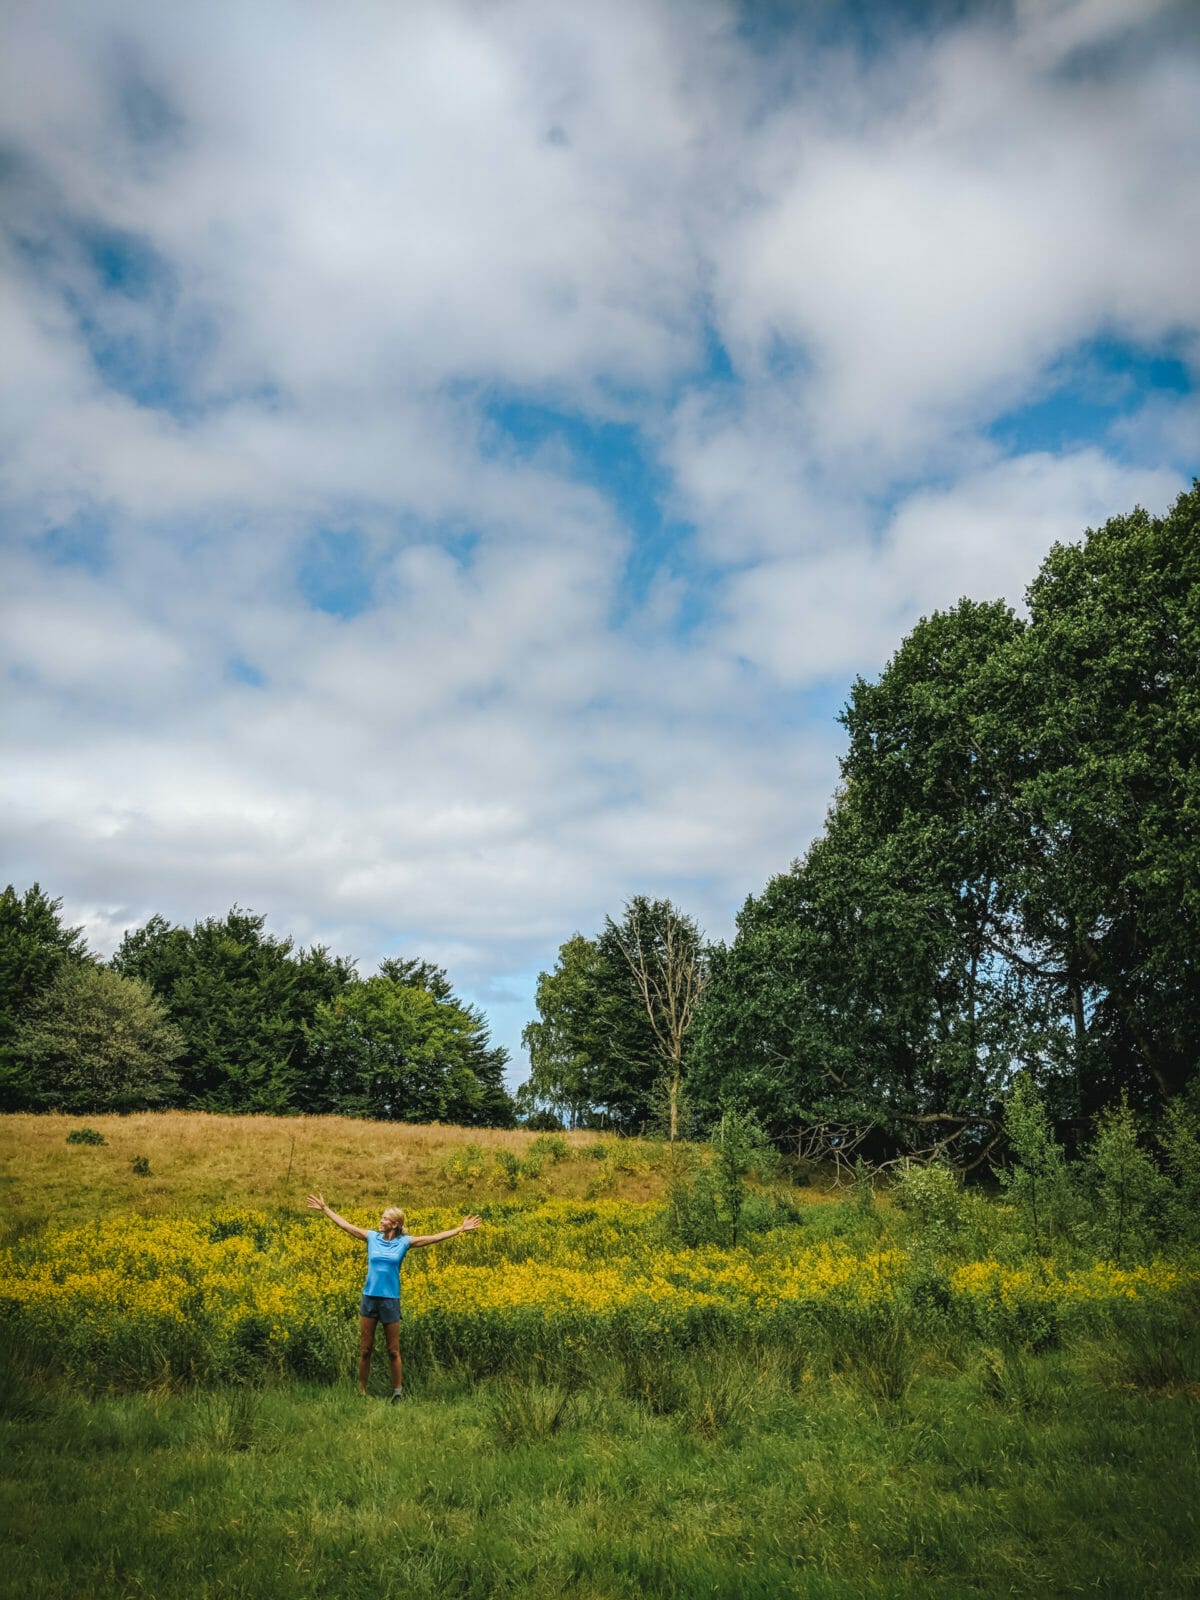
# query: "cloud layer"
{"type": "Point", "coordinates": [455, 457]}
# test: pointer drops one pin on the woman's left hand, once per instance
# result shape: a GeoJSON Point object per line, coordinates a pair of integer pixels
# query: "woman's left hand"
{"type": "Point", "coordinates": [469, 1224]}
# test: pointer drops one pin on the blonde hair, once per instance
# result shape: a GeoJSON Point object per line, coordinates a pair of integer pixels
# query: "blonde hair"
{"type": "Point", "coordinates": [396, 1213]}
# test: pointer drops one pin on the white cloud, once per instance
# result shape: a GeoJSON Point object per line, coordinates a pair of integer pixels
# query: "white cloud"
{"type": "Point", "coordinates": [846, 609]}
{"type": "Point", "coordinates": [358, 227]}
{"type": "Point", "coordinates": [932, 257]}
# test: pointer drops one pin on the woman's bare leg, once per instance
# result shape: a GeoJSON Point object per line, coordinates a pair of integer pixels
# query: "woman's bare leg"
{"type": "Point", "coordinates": [366, 1342]}
{"type": "Point", "coordinates": [391, 1332]}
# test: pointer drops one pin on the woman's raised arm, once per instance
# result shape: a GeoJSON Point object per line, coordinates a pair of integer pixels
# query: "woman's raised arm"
{"type": "Point", "coordinates": [467, 1225]}
{"type": "Point", "coordinates": [318, 1204]}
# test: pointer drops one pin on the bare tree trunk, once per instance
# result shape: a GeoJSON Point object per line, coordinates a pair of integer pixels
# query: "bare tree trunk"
{"type": "Point", "coordinates": [669, 977]}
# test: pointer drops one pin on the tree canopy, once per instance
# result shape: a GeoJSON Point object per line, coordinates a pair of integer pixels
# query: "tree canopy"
{"type": "Point", "coordinates": [1009, 876]}
{"type": "Point", "coordinates": [226, 1016]}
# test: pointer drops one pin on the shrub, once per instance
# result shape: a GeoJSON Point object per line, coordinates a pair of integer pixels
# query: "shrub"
{"type": "Point", "coordinates": [936, 1206]}
{"type": "Point", "coordinates": [550, 1148]}
{"type": "Point", "coordinates": [742, 1147]}
{"type": "Point", "coordinates": [509, 1168]}
{"type": "Point", "coordinates": [1040, 1181]}
{"type": "Point", "coordinates": [465, 1165]}
{"type": "Point", "coordinates": [141, 1166]}
{"type": "Point", "coordinates": [1179, 1141]}
{"type": "Point", "coordinates": [86, 1136]}
{"type": "Point", "coordinates": [1128, 1191]}
{"type": "Point", "coordinates": [543, 1122]}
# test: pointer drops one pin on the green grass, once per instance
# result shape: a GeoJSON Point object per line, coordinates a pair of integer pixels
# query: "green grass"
{"type": "Point", "coordinates": [744, 1475]}
{"type": "Point", "coordinates": [899, 1455]}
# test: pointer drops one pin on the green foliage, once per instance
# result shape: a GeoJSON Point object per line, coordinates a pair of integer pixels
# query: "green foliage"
{"type": "Point", "coordinates": [1126, 1190]}
{"type": "Point", "coordinates": [566, 1044]}
{"type": "Point", "coordinates": [550, 1148]}
{"type": "Point", "coordinates": [34, 949]}
{"type": "Point", "coordinates": [465, 1165]}
{"type": "Point", "coordinates": [543, 1122]}
{"type": "Point", "coordinates": [1111, 890]}
{"type": "Point", "coordinates": [386, 1050]}
{"type": "Point", "coordinates": [1010, 872]}
{"type": "Point", "coordinates": [96, 1041]}
{"type": "Point", "coordinates": [614, 1020]}
{"type": "Point", "coordinates": [270, 1028]}
{"type": "Point", "coordinates": [742, 1148]}
{"type": "Point", "coordinates": [241, 998]}
{"type": "Point", "coordinates": [1179, 1141]}
{"type": "Point", "coordinates": [1040, 1180]}
{"type": "Point", "coordinates": [508, 1165]}
{"type": "Point", "coordinates": [944, 1219]}
{"type": "Point", "coordinates": [85, 1136]}
{"type": "Point", "coordinates": [691, 1213]}
{"type": "Point", "coordinates": [141, 1166]}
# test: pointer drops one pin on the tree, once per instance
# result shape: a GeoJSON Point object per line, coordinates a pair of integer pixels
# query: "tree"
{"type": "Point", "coordinates": [931, 769]}
{"type": "Point", "coordinates": [34, 948]}
{"type": "Point", "coordinates": [564, 1049]}
{"type": "Point", "coordinates": [1109, 796]}
{"type": "Point", "coordinates": [830, 1005]}
{"type": "Point", "coordinates": [96, 1041]}
{"type": "Point", "coordinates": [484, 1100]}
{"type": "Point", "coordinates": [615, 1018]}
{"type": "Point", "coordinates": [397, 1052]}
{"type": "Point", "coordinates": [1010, 877]}
{"type": "Point", "coordinates": [418, 974]}
{"type": "Point", "coordinates": [241, 998]}
{"type": "Point", "coordinates": [663, 954]}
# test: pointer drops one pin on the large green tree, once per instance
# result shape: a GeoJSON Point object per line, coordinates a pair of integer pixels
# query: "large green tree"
{"type": "Point", "coordinates": [402, 1052]}
{"type": "Point", "coordinates": [1010, 877]}
{"type": "Point", "coordinates": [615, 1018]}
{"type": "Point", "coordinates": [241, 998]}
{"type": "Point", "coordinates": [35, 948]}
{"type": "Point", "coordinates": [564, 1045]}
{"type": "Point", "coordinates": [1108, 789]}
{"type": "Point", "coordinates": [97, 1041]}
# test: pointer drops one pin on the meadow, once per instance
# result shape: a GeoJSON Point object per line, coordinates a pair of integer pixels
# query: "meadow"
{"type": "Point", "coordinates": [851, 1402]}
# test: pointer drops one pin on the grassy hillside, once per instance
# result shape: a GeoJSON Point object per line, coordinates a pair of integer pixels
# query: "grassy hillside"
{"type": "Point", "coordinates": [832, 1409]}
{"type": "Point", "coordinates": [198, 1161]}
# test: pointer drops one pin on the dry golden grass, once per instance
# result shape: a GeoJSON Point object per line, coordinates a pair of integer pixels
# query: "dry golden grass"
{"type": "Point", "coordinates": [199, 1160]}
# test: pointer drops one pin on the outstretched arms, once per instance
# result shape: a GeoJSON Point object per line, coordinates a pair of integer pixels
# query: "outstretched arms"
{"type": "Point", "coordinates": [467, 1225]}
{"type": "Point", "coordinates": [318, 1204]}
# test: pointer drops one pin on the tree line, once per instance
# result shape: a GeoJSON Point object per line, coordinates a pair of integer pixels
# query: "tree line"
{"type": "Point", "coordinates": [1007, 885]}
{"type": "Point", "coordinates": [223, 1016]}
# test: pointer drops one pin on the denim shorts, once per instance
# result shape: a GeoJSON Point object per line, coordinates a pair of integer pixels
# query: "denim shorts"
{"type": "Point", "coordinates": [380, 1307]}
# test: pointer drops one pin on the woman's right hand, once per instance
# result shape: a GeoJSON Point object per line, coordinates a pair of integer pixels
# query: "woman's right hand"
{"type": "Point", "coordinates": [317, 1203]}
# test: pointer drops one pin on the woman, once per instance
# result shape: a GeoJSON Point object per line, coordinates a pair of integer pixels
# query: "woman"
{"type": "Point", "coordinates": [387, 1247]}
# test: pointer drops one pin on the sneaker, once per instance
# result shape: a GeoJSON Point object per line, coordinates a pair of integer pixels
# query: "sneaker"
{"type": "Point", "coordinates": [397, 1396]}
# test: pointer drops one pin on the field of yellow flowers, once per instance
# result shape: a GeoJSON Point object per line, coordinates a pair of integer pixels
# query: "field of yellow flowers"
{"type": "Point", "coordinates": [135, 1301]}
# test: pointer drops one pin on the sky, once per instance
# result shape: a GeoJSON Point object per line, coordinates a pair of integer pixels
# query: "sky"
{"type": "Point", "coordinates": [456, 457]}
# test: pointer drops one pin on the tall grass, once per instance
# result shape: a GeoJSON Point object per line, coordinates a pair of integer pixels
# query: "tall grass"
{"type": "Point", "coordinates": [199, 1160]}
{"type": "Point", "coordinates": [861, 1400]}
{"type": "Point", "coordinates": [757, 1476]}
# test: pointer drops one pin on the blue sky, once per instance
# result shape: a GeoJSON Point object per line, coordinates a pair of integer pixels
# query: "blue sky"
{"type": "Point", "coordinates": [456, 459]}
